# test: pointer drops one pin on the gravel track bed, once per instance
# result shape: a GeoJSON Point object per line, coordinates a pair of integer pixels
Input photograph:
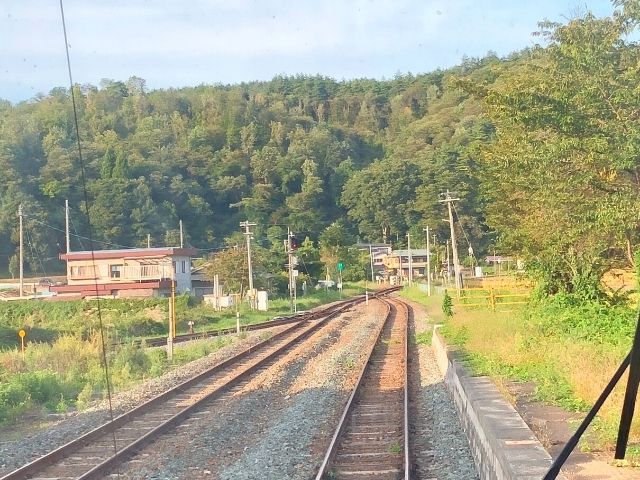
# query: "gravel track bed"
{"type": "Point", "coordinates": [277, 425]}
{"type": "Point", "coordinates": [14, 454]}
{"type": "Point", "coordinates": [439, 445]}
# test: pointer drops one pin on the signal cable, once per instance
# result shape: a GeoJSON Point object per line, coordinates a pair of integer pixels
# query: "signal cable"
{"type": "Point", "coordinates": [105, 362]}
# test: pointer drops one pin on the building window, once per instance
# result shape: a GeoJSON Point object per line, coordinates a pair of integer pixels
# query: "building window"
{"type": "Point", "coordinates": [184, 264]}
{"type": "Point", "coordinates": [82, 272]}
{"type": "Point", "coordinates": [115, 271]}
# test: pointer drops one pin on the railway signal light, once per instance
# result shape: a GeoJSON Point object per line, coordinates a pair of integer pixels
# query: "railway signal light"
{"type": "Point", "coordinates": [293, 242]}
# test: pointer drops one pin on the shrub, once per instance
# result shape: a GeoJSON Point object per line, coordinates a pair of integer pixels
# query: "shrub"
{"type": "Point", "coordinates": [13, 399]}
{"type": "Point", "coordinates": [43, 386]}
{"type": "Point", "coordinates": [129, 362]}
{"type": "Point", "coordinates": [84, 397]}
{"type": "Point", "coordinates": [569, 317]}
{"type": "Point", "coordinates": [159, 361]}
{"type": "Point", "coordinates": [447, 305]}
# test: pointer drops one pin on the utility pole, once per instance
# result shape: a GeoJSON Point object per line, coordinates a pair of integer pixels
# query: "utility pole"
{"type": "Point", "coordinates": [172, 319]}
{"type": "Point", "coordinates": [182, 235]}
{"type": "Point", "coordinates": [148, 240]}
{"type": "Point", "coordinates": [293, 300]}
{"type": "Point", "coordinates": [428, 263]}
{"type": "Point", "coordinates": [410, 259]}
{"type": "Point", "coordinates": [66, 224]}
{"type": "Point", "coordinates": [21, 253]}
{"type": "Point", "coordinates": [435, 248]}
{"type": "Point", "coordinates": [448, 263]}
{"type": "Point", "coordinates": [456, 264]}
{"type": "Point", "coordinates": [371, 261]}
{"type": "Point", "coordinates": [247, 233]}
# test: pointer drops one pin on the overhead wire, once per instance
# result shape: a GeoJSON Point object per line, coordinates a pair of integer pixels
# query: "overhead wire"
{"type": "Point", "coordinates": [57, 229]}
{"type": "Point", "coordinates": [105, 362]}
{"type": "Point", "coordinates": [73, 225]}
{"type": "Point", "coordinates": [34, 252]}
{"type": "Point", "coordinates": [111, 244]}
{"type": "Point", "coordinates": [463, 232]}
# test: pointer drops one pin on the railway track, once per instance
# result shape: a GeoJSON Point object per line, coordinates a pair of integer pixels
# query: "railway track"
{"type": "Point", "coordinates": [186, 337]}
{"type": "Point", "coordinates": [98, 452]}
{"type": "Point", "coordinates": [372, 437]}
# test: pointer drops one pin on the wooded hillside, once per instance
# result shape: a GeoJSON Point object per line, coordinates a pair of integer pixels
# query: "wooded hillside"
{"type": "Point", "coordinates": [276, 153]}
{"type": "Point", "coordinates": [541, 148]}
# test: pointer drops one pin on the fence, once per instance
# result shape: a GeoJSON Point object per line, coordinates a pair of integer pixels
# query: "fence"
{"type": "Point", "coordinates": [490, 297]}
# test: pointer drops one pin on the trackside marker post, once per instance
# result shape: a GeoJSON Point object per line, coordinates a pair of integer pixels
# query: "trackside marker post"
{"type": "Point", "coordinates": [22, 334]}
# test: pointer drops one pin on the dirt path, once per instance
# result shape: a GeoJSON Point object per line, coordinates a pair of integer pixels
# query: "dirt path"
{"type": "Point", "coordinates": [553, 427]}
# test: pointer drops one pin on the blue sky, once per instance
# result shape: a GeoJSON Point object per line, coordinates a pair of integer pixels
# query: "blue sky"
{"type": "Point", "coordinates": [174, 43]}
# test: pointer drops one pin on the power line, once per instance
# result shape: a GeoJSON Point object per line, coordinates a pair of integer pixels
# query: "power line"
{"type": "Point", "coordinates": [88, 215]}
{"type": "Point", "coordinates": [34, 251]}
{"type": "Point", "coordinates": [80, 236]}
{"type": "Point", "coordinates": [471, 254]}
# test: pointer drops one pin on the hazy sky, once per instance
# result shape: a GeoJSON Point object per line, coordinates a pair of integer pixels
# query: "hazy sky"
{"type": "Point", "coordinates": [174, 43]}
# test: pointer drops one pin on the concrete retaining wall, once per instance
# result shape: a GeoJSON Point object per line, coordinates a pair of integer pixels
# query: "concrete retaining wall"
{"type": "Point", "coordinates": [502, 444]}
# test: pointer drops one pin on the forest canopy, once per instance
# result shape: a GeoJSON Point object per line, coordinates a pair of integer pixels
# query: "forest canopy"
{"type": "Point", "coordinates": [541, 147]}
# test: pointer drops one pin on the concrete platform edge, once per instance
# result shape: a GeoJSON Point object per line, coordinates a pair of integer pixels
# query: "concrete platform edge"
{"type": "Point", "coordinates": [502, 444]}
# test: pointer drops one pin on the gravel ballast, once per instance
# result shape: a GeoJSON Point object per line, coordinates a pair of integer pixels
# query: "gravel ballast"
{"type": "Point", "coordinates": [278, 424]}
{"type": "Point", "coordinates": [440, 448]}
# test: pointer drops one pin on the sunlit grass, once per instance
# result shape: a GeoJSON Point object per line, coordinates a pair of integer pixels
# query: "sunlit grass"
{"type": "Point", "coordinates": [570, 371]}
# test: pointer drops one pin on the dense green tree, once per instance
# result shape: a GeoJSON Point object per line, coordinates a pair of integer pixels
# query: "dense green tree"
{"type": "Point", "coordinates": [380, 197]}
{"type": "Point", "coordinates": [108, 164]}
{"type": "Point", "coordinates": [562, 176]}
{"type": "Point", "coordinates": [541, 147]}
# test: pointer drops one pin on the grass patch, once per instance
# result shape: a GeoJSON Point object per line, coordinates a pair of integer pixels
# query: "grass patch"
{"type": "Point", "coordinates": [63, 370]}
{"type": "Point", "coordinates": [423, 338]}
{"type": "Point", "coordinates": [127, 319]}
{"type": "Point", "coordinates": [395, 448]}
{"type": "Point", "coordinates": [69, 374]}
{"type": "Point", "coordinates": [415, 294]}
{"type": "Point", "coordinates": [568, 348]}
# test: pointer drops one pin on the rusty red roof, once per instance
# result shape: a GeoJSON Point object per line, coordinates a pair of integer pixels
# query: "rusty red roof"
{"type": "Point", "coordinates": [129, 253]}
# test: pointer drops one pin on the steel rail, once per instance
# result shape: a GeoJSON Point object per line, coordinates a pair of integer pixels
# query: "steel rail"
{"type": "Point", "coordinates": [65, 450]}
{"type": "Point", "coordinates": [332, 450]}
{"type": "Point", "coordinates": [187, 337]}
{"type": "Point", "coordinates": [106, 466]}
{"type": "Point", "coordinates": [407, 445]}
